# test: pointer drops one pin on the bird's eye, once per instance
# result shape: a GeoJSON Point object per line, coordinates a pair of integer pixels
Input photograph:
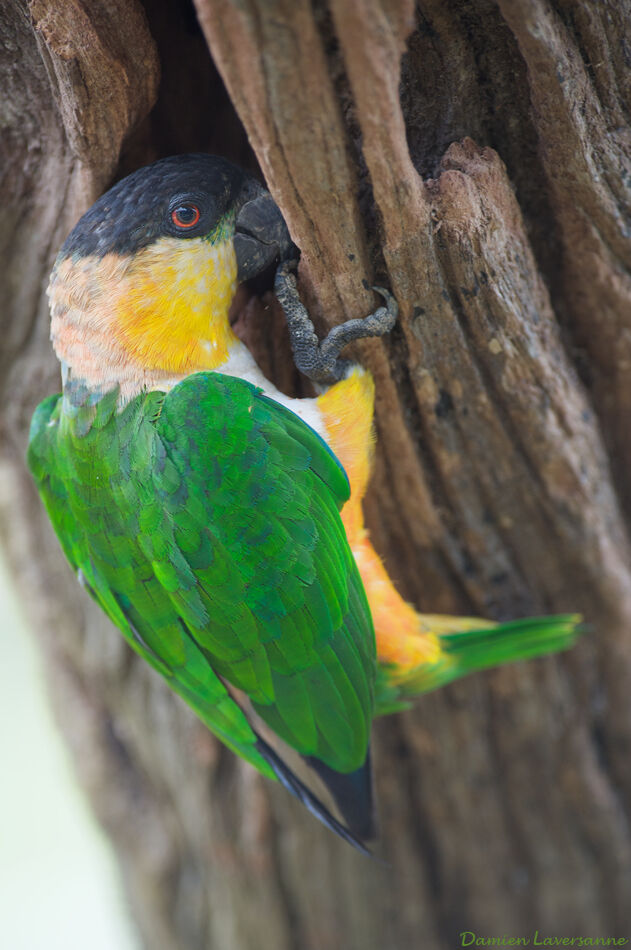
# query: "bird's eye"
{"type": "Point", "coordinates": [185, 216]}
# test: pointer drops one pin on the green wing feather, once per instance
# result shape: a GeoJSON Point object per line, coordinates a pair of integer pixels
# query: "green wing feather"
{"type": "Point", "coordinates": [206, 524]}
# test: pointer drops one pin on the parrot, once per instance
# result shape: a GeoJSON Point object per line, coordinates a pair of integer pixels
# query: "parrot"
{"type": "Point", "coordinates": [218, 522]}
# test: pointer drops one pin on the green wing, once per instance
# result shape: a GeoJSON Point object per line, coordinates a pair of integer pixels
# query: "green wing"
{"type": "Point", "coordinates": [206, 525]}
{"type": "Point", "coordinates": [278, 604]}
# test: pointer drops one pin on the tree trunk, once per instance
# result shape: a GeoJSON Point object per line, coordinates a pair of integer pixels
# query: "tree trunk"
{"type": "Point", "coordinates": [475, 157]}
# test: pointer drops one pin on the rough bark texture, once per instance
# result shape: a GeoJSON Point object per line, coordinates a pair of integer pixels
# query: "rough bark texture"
{"type": "Point", "coordinates": [476, 158]}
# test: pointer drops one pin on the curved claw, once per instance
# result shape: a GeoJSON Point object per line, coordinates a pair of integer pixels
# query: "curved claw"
{"type": "Point", "coordinates": [387, 315]}
{"type": "Point", "coordinates": [387, 296]}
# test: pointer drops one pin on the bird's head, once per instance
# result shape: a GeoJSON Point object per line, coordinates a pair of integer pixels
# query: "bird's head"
{"type": "Point", "coordinates": [144, 282]}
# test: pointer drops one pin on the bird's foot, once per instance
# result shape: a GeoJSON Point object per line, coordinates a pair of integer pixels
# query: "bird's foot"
{"type": "Point", "coordinates": [320, 359]}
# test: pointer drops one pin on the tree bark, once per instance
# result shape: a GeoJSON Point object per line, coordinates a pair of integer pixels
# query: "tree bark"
{"type": "Point", "coordinates": [475, 157]}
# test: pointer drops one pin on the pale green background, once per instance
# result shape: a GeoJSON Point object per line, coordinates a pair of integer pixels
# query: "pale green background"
{"type": "Point", "coordinates": [58, 884]}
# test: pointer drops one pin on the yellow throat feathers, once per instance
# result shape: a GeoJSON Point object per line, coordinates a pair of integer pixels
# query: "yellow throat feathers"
{"type": "Point", "coordinates": [163, 309]}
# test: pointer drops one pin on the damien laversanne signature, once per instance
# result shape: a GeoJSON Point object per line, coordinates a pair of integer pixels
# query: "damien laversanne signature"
{"type": "Point", "coordinates": [470, 939]}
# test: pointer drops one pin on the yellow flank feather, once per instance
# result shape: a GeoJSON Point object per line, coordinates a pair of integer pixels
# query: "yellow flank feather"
{"type": "Point", "coordinates": [347, 413]}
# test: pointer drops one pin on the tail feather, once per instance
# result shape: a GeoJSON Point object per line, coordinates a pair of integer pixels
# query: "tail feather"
{"type": "Point", "coordinates": [353, 795]}
{"type": "Point", "coordinates": [300, 791]}
{"type": "Point", "coordinates": [465, 648]}
{"type": "Point", "coordinates": [508, 642]}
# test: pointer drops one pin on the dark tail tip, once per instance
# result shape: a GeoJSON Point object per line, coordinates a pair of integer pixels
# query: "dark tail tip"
{"type": "Point", "coordinates": [353, 795]}
{"type": "Point", "coordinates": [293, 784]}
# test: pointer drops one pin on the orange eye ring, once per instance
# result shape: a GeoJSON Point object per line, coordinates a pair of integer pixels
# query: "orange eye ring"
{"type": "Point", "coordinates": [185, 216]}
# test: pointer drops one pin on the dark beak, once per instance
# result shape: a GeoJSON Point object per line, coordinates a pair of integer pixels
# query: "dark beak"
{"type": "Point", "coordinates": [261, 237]}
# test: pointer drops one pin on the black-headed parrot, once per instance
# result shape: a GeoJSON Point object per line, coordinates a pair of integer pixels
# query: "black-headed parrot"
{"type": "Point", "coordinates": [216, 521]}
